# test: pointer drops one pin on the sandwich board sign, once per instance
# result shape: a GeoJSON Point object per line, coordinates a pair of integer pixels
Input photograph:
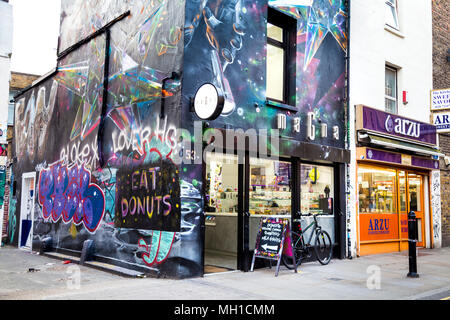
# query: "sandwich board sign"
{"type": "Point", "coordinates": [272, 238]}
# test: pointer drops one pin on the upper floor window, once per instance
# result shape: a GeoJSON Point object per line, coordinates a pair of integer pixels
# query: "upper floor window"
{"type": "Point", "coordinates": [390, 94]}
{"type": "Point", "coordinates": [392, 14]}
{"type": "Point", "coordinates": [280, 68]}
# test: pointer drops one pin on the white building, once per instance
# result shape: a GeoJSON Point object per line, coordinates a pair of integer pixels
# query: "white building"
{"type": "Point", "coordinates": [6, 23]}
{"type": "Point", "coordinates": [393, 154]}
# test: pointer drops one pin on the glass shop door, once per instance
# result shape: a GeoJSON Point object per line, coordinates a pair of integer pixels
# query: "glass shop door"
{"type": "Point", "coordinates": [221, 213]}
{"type": "Point", "coordinates": [416, 203]}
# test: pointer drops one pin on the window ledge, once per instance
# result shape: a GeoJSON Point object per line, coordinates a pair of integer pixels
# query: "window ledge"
{"type": "Point", "coordinates": [394, 31]}
{"type": "Point", "coordinates": [280, 105]}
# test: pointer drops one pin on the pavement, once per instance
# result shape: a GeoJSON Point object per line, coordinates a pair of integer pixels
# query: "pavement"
{"type": "Point", "coordinates": [30, 276]}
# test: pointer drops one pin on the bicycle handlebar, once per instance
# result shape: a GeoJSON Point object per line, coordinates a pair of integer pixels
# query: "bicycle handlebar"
{"type": "Point", "coordinates": [313, 214]}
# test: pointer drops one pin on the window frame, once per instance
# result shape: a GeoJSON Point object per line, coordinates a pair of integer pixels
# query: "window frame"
{"type": "Point", "coordinates": [395, 90]}
{"type": "Point", "coordinates": [396, 17]}
{"type": "Point", "coordinates": [289, 46]}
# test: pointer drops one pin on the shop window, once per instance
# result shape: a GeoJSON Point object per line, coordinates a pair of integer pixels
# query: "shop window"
{"type": "Point", "coordinates": [317, 189]}
{"type": "Point", "coordinates": [391, 90]}
{"type": "Point", "coordinates": [270, 187]}
{"type": "Point", "coordinates": [221, 183]}
{"type": "Point", "coordinates": [377, 190]}
{"type": "Point", "coordinates": [392, 14]}
{"type": "Point", "coordinates": [280, 64]}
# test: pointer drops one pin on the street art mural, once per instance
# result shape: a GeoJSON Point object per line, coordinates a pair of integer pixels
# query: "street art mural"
{"type": "Point", "coordinates": [148, 199]}
{"type": "Point", "coordinates": [232, 35]}
{"type": "Point", "coordinates": [3, 150]}
{"type": "Point", "coordinates": [105, 141]}
{"type": "Point", "coordinates": [157, 251]}
{"type": "Point", "coordinates": [436, 206]}
{"type": "Point", "coordinates": [68, 194]}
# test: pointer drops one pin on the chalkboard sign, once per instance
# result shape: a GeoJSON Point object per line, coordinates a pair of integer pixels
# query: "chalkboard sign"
{"type": "Point", "coordinates": [271, 240]}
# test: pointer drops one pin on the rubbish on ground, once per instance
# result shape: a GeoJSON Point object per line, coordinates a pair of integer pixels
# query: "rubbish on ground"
{"type": "Point", "coordinates": [33, 270]}
{"type": "Point", "coordinates": [67, 262]}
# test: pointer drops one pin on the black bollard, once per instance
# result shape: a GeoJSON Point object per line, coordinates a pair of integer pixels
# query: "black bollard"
{"type": "Point", "coordinates": [412, 242]}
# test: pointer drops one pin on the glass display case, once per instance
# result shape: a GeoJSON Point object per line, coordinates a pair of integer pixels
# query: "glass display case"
{"type": "Point", "coordinates": [270, 187]}
{"type": "Point", "coordinates": [317, 189]}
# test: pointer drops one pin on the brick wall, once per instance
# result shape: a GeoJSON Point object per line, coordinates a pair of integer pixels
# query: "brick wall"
{"type": "Point", "coordinates": [441, 80]}
{"type": "Point", "coordinates": [6, 206]}
{"type": "Point", "coordinates": [444, 142]}
{"type": "Point", "coordinates": [21, 81]}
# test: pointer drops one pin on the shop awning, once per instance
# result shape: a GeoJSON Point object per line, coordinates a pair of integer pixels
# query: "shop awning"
{"type": "Point", "coordinates": [398, 145]}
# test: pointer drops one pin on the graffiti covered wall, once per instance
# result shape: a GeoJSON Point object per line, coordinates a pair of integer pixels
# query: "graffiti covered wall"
{"type": "Point", "coordinates": [225, 44]}
{"type": "Point", "coordinates": [105, 166]}
{"type": "Point", "coordinates": [106, 155]}
{"type": "Point", "coordinates": [232, 36]}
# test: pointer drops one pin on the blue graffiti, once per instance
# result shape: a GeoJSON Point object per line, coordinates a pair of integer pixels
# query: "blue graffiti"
{"type": "Point", "coordinates": [68, 194]}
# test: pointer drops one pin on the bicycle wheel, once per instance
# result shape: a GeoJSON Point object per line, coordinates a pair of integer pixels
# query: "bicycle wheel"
{"type": "Point", "coordinates": [323, 247]}
{"type": "Point", "coordinates": [287, 261]}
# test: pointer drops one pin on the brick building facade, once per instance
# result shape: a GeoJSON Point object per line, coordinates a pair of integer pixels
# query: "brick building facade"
{"type": "Point", "coordinates": [18, 82]}
{"type": "Point", "coordinates": [441, 80]}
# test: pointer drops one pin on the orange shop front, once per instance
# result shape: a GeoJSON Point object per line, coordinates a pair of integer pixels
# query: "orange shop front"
{"type": "Point", "coordinates": [393, 178]}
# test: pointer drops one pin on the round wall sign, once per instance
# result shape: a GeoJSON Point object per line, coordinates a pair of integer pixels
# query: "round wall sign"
{"type": "Point", "coordinates": [208, 102]}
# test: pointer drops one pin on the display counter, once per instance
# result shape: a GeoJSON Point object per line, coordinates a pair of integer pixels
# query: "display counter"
{"type": "Point", "coordinates": [221, 232]}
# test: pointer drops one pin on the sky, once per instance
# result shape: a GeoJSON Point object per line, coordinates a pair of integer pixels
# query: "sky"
{"type": "Point", "coordinates": [35, 35]}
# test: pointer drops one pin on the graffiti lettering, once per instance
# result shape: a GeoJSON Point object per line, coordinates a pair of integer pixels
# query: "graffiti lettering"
{"type": "Point", "coordinates": [146, 199]}
{"type": "Point", "coordinates": [75, 153]}
{"type": "Point", "coordinates": [140, 139]}
{"type": "Point", "coordinates": [68, 194]}
{"type": "Point", "coordinates": [159, 248]}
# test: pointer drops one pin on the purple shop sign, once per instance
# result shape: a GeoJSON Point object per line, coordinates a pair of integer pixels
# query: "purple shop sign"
{"type": "Point", "coordinates": [384, 156]}
{"type": "Point", "coordinates": [425, 163]}
{"type": "Point", "coordinates": [396, 158]}
{"type": "Point", "coordinates": [394, 125]}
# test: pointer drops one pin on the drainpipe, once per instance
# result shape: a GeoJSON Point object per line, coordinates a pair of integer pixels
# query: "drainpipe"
{"type": "Point", "coordinates": [349, 244]}
{"type": "Point", "coordinates": [104, 98]}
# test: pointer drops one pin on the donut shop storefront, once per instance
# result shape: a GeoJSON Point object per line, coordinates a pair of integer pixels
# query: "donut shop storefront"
{"type": "Point", "coordinates": [395, 158]}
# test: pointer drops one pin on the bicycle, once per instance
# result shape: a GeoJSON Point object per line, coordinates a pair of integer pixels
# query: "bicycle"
{"type": "Point", "coordinates": [322, 244]}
